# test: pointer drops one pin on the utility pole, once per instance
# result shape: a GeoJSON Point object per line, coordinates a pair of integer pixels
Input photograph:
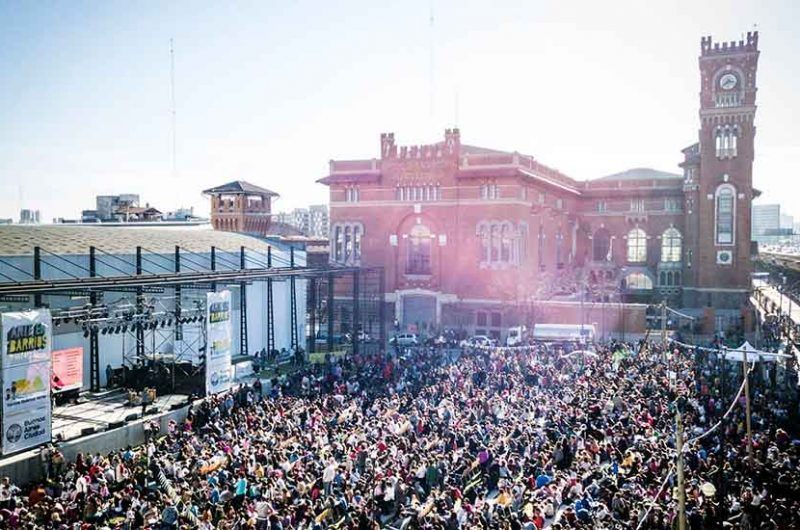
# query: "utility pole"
{"type": "Point", "coordinates": [681, 486]}
{"type": "Point", "coordinates": [747, 409]}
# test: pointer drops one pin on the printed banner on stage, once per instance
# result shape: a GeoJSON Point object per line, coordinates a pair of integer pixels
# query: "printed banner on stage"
{"type": "Point", "coordinates": [26, 387]}
{"type": "Point", "coordinates": [219, 335]}
{"type": "Point", "coordinates": [26, 365]}
{"type": "Point", "coordinates": [68, 369]}
{"type": "Point", "coordinates": [26, 338]}
{"type": "Point", "coordinates": [26, 429]}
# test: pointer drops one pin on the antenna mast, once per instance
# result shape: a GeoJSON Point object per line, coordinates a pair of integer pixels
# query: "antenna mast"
{"type": "Point", "coordinates": [172, 111]}
{"type": "Point", "coordinates": [431, 87]}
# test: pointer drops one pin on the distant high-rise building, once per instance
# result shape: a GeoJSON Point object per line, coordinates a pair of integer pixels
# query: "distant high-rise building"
{"type": "Point", "coordinates": [766, 219]}
{"type": "Point", "coordinates": [318, 222]}
{"type": "Point", "coordinates": [786, 222]}
{"type": "Point", "coordinates": [312, 221]}
{"type": "Point", "coordinates": [29, 217]}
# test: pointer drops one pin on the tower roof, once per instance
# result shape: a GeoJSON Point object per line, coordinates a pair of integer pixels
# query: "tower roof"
{"type": "Point", "coordinates": [240, 187]}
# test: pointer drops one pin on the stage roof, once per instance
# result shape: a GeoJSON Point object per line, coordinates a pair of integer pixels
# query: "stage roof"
{"type": "Point", "coordinates": [19, 240]}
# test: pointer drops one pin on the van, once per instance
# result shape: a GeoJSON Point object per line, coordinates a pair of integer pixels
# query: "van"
{"type": "Point", "coordinates": [405, 339]}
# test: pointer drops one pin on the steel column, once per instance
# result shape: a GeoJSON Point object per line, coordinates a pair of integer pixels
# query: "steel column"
{"type": "Point", "coordinates": [37, 274]}
{"type": "Point", "coordinates": [270, 307]}
{"type": "Point", "coordinates": [94, 342]}
{"type": "Point", "coordinates": [242, 307]}
{"type": "Point", "coordinates": [381, 309]}
{"type": "Point", "coordinates": [330, 311]}
{"type": "Point", "coordinates": [178, 308]}
{"type": "Point", "coordinates": [356, 313]}
{"type": "Point", "coordinates": [293, 303]}
{"type": "Point", "coordinates": [312, 313]}
{"type": "Point", "coordinates": [139, 309]}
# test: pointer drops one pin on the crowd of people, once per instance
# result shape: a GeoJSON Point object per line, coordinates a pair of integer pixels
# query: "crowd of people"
{"type": "Point", "coordinates": [523, 438]}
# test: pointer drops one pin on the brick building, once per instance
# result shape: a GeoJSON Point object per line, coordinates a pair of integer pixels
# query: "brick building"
{"type": "Point", "coordinates": [471, 237]}
{"type": "Point", "coordinates": [239, 206]}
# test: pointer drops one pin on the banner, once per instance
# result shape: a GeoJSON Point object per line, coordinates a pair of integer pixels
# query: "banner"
{"type": "Point", "coordinates": [26, 338]}
{"type": "Point", "coordinates": [28, 428]}
{"type": "Point", "coordinates": [26, 387]}
{"type": "Point", "coordinates": [26, 364]}
{"type": "Point", "coordinates": [68, 368]}
{"type": "Point", "coordinates": [219, 335]}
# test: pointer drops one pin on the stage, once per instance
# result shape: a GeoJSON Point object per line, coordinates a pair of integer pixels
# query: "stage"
{"type": "Point", "coordinates": [102, 410]}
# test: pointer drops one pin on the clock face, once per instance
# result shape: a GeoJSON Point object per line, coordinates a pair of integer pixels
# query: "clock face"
{"type": "Point", "coordinates": [728, 82]}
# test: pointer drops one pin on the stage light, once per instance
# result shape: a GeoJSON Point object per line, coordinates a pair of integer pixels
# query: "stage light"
{"type": "Point", "coordinates": [67, 320]}
{"type": "Point", "coordinates": [104, 331]}
{"type": "Point", "coordinates": [85, 332]}
{"type": "Point", "coordinates": [163, 323]}
{"type": "Point", "coordinates": [117, 330]}
{"type": "Point", "coordinates": [169, 322]}
{"type": "Point", "coordinates": [125, 328]}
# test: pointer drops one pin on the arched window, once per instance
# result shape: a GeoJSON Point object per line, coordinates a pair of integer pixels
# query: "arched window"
{"type": "Point", "coordinates": [419, 251]}
{"type": "Point", "coordinates": [522, 255]}
{"type": "Point", "coordinates": [338, 243]}
{"type": "Point", "coordinates": [601, 245]}
{"type": "Point", "coordinates": [495, 242]}
{"type": "Point", "coordinates": [671, 245]}
{"type": "Point", "coordinates": [505, 243]}
{"type": "Point", "coordinates": [348, 244]}
{"type": "Point", "coordinates": [638, 281]}
{"type": "Point", "coordinates": [356, 244]}
{"type": "Point", "coordinates": [540, 249]}
{"type": "Point", "coordinates": [662, 278]}
{"type": "Point", "coordinates": [559, 249]}
{"type": "Point", "coordinates": [483, 234]}
{"type": "Point", "coordinates": [725, 214]}
{"type": "Point", "coordinates": [637, 246]}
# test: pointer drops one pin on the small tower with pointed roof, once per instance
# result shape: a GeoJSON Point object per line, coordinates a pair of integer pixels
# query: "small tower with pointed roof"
{"type": "Point", "coordinates": [239, 206]}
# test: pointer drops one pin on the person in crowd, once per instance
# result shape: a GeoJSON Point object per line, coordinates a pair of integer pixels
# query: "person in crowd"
{"type": "Point", "coordinates": [491, 438]}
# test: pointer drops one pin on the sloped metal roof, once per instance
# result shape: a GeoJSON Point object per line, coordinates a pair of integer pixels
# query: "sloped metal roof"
{"type": "Point", "coordinates": [642, 173]}
{"type": "Point", "coordinates": [19, 240]}
{"type": "Point", "coordinates": [240, 186]}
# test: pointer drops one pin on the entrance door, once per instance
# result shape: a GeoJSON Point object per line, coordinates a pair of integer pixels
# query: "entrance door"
{"type": "Point", "coordinates": [419, 310]}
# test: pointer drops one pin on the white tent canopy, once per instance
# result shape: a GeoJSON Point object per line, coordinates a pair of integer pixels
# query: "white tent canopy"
{"type": "Point", "coordinates": [753, 355]}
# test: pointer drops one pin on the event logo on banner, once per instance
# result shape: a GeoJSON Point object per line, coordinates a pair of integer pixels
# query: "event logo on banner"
{"type": "Point", "coordinates": [219, 335]}
{"type": "Point", "coordinates": [68, 368]}
{"type": "Point", "coordinates": [26, 367]}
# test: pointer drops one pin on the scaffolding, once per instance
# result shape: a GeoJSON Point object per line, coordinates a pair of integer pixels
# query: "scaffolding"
{"type": "Point", "coordinates": [159, 299]}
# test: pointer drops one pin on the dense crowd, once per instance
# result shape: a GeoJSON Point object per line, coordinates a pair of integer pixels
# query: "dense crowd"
{"type": "Point", "coordinates": [448, 439]}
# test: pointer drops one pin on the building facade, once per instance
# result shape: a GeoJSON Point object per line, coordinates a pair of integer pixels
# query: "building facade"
{"type": "Point", "coordinates": [766, 218]}
{"type": "Point", "coordinates": [470, 236]}
{"type": "Point", "coordinates": [311, 221]}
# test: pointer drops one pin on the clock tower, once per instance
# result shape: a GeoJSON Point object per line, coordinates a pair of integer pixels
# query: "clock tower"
{"type": "Point", "coordinates": [718, 173]}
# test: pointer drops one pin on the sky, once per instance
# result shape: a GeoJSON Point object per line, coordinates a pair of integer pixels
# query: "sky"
{"type": "Point", "coordinates": [270, 91]}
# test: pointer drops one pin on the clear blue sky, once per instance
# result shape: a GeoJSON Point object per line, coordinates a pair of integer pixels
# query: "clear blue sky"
{"type": "Point", "coordinates": [270, 91]}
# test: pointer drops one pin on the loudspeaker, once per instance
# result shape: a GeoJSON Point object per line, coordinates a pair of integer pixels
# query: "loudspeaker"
{"type": "Point", "coordinates": [132, 417]}
{"type": "Point", "coordinates": [115, 425]}
{"type": "Point", "coordinates": [87, 431]}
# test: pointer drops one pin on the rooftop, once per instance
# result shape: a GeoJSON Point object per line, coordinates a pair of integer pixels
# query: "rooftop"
{"type": "Point", "coordinates": [642, 173]}
{"type": "Point", "coordinates": [241, 187]}
{"type": "Point", "coordinates": [19, 240]}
